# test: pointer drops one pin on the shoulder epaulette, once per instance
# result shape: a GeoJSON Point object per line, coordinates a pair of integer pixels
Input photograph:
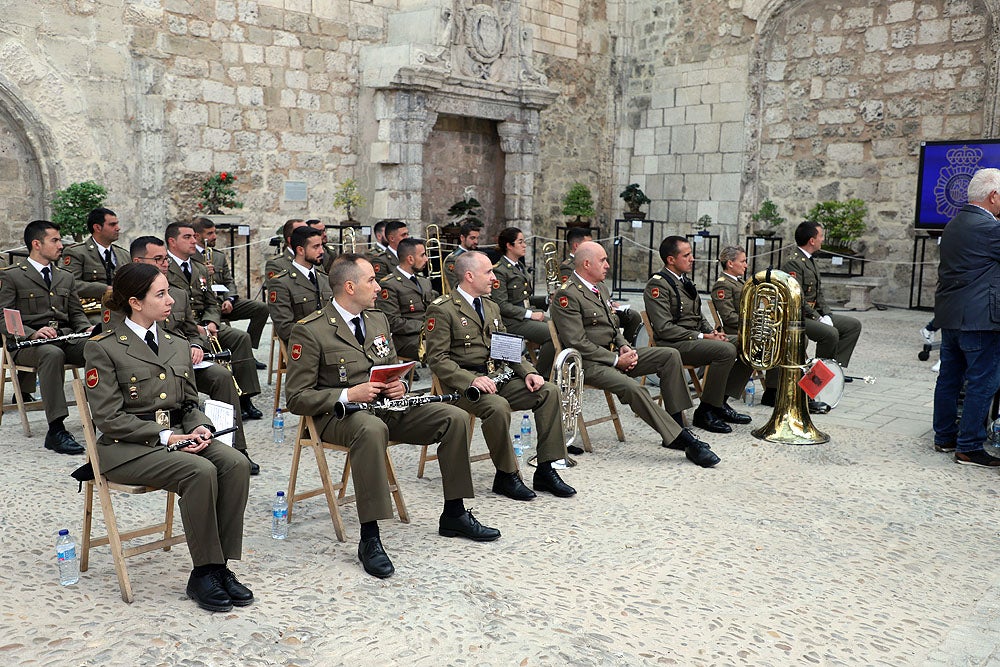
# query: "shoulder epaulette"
{"type": "Point", "coordinates": [316, 314]}
{"type": "Point", "coordinates": [280, 274]}
{"type": "Point", "coordinates": [441, 299]}
{"type": "Point", "coordinates": [102, 335]}
{"type": "Point", "coordinates": [657, 276]}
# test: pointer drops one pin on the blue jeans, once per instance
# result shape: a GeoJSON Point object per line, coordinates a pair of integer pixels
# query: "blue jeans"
{"type": "Point", "coordinates": [972, 357]}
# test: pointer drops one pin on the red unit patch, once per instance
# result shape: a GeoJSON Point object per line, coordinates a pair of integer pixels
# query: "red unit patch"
{"type": "Point", "coordinates": [564, 301]}
{"type": "Point", "coordinates": [655, 292]}
{"type": "Point", "coordinates": [430, 324]}
{"type": "Point", "coordinates": [296, 351]}
{"type": "Point", "coordinates": [92, 378]}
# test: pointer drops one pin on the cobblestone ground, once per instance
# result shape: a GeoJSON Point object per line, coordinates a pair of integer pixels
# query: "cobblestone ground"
{"type": "Point", "coordinates": [872, 549]}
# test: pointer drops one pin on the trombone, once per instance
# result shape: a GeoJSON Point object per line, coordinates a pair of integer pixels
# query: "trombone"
{"type": "Point", "coordinates": [349, 241]}
{"type": "Point", "coordinates": [222, 357]}
{"type": "Point", "coordinates": [435, 252]}
{"type": "Point", "coordinates": [551, 267]}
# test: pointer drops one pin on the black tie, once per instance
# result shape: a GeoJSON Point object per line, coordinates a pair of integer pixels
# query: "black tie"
{"type": "Point", "coordinates": [109, 265]}
{"type": "Point", "coordinates": [477, 303]}
{"type": "Point", "coordinates": [151, 342]}
{"type": "Point", "coordinates": [47, 277]}
{"type": "Point", "coordinates": [186, 268]}
{"type": "Point", "coordinates": [358, 333]}
{"type": "Point", "coordinates": [417, 283]}
{"type": "Point", "coordinates": [319, 299]}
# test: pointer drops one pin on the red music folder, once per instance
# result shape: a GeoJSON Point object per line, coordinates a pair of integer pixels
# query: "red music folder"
{"type": "Point", "coordinates": [818, 377]}
{"type": "Point", "coordinates": [390, 372]}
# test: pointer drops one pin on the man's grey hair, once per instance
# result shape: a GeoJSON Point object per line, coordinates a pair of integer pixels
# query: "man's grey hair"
{"type": "Point", "coordinates": [729, 254]}
{"type": "Point", "coordinates": [983, 183]}
{"type": "Point", "coordinates": [467, 262]}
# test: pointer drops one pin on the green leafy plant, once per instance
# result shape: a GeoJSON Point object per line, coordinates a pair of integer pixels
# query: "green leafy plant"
{"type": "Point", "coordinates": [843, 222]}
{"type": "Point", "coordinates": [466, 210]}
{"type": "Point", "coordinates": [71, 205]}
{"type": "Point", "coordinates": [766, 218]}
{"type": "Point", "coordinates": [578, 201]}
{"type": "Point", "coordinates": [704, 222]}
{"type": "Point", "coordinates": [349, 198]}
{"type": "Point", "coordinates": [634, 198]}
{"type": "Point", "coordinates": [217, 193]}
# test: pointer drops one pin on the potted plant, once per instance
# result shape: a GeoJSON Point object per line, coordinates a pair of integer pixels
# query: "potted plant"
{"type": "Point", "coordinates": [578, 202]}
{"type": "Point", "coordinates": [704, 222]}
{"type": "Point", "coordinates": [843, 223]}
{"type": "Point", "coordinates": [348, 198]}
{"type": "Point", "coordinates": [466, 209]}
{"type": "Point", "coordinates": [217, 192]}
{"type": "Point", "coordinates": [767, 218]}
{"type": "Point", "coordinates": [71, 205]}
{"type": "Point", "coordinates": [634, 198]}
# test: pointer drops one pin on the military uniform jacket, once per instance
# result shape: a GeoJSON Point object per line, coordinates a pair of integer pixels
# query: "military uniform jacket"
{"type": "Point", "coordinates": [449, 267]}
{"type": "Point", "coordinates": [324, 358]}
{"type": "Point", "coordinates": [726, 295]}
{"type": "Point", "coordinates": [86, 262]}
{"type": "Point", "coordinates": [403, 303]}
{"type": "Point", "coordinates": [23, 288]}
{"type": "Point", "coordinates": [511, 290]}
{"type": "Point", "coordinates": [384, 263]}
{"type": "Point", "coordinates": [566, 269]}
{"type": "Point", "coordinates": [275, 265]}
{"type": "Point", "coordinates": [219, 273]}
{"type": "Point", "coordinates": [674, 309]}
{"type": "Point", "coordinates": [203, 301]}
{"type": "Point", "coordinates": [584, 320]}
{"type": "Point", "coordinates": [292, 296]}
{"type": "Point", "coordinates": [804, 270]}
{"type": "Point", "coordinates": [456, 341]}
{"type": "Point", "coordinates": [124, 379]}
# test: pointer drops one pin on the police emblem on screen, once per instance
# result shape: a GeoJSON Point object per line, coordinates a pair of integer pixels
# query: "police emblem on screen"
{"type": "Point", "coordinates": [951, 189]}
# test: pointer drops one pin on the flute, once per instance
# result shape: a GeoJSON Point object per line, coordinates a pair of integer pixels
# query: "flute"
{"type": "Point", "coordinates": [342, 410]}
{"type": "Point", "coordinates": [181, 444]}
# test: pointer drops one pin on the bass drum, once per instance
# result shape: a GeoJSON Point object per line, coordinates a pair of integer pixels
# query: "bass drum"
{"type": "Point", "coordinates": [834, 391]}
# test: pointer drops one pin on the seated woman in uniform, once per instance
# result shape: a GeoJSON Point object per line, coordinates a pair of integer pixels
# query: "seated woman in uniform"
{"type": "Point", "coordinates": [141, 390]}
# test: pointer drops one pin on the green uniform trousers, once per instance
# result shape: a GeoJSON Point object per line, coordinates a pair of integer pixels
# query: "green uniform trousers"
{"type": "Point", "coordinates": [49, 360]}
{"type": "Point", "coordinates": [727, 374]}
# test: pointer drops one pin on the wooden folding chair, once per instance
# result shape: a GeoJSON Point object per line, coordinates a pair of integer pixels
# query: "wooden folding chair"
{"type": "Point", "coordinates": [309, 436]}
{"type": "Point", "coordinates": [115, 538]}
{"type": "Point", "coordinates": [8, 373]}
{"type": "Point", "coordinates": [692, 371]}
{"type": "Point", "coordinates": [272, 366]}
{"type": "Point", "coordinates": [426, 457]}
{"type": "Point", "coordinates": [279, 371]}
{"type": "Point", "coordinates": [608, 396]}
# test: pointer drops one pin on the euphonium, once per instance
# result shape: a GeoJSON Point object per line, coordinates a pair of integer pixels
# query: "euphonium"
{"type": "Point", "coordinates": [772, 336]}
{"type": "Point", "coordinates": [435, 256]}
{"type": "Point", "coordinates": [551, 267]}
{"type": "Point", "coordinates": [569, 379]}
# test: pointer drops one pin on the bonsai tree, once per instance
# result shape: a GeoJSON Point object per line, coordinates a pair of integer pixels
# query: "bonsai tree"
{"type": "Point", "coordinates": [578, 202]}
{"type": "Point", "coordinates": [704, 222]}
{"type": "Point", "coordinates": [843, 222]}
{"type": "Point", "coordinates": [71, 205]}
{"type": "Point", "coordinates": [348, 198]}
{"type": "Point", "coordinates": [217, 192]}
{"type": "Point", "coordinates": [635, 198]}
{"type": "Point", "coordinates": [767, 218]}
{"type": "Point", "coordinates": [466, 209]}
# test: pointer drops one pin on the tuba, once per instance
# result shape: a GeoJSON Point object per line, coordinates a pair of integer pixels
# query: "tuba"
{"type": "Point", "coordinates": [551, 267]}
{"type": "Point", "coordinates": [569, 378]}
{"type": "Point", "coordinates": [772, 336]}
{"type": "Point", "coordinates": [435, 255]}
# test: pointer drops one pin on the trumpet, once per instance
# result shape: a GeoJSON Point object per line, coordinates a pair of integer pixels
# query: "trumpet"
{"type": "Point", "coordinates": [224, 355]}
{"type": "Point", "coordinates": [435, 252]}
{"type": "Point", "coordinates": [383, 405]}
{"type": "Point", "coordinates": [221, 355]}
{"type": "Point", "coordinates": [551, 267]}
{"type": "Point", "coordinates": [14, 345]}
{"type": "Point", "coordinates": [499, 379]}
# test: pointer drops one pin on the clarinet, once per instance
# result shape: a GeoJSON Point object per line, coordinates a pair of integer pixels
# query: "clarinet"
{"type": "Point", "coordinates": [343, 410]}
{"type": "Point", "coordinates": [13, 345]}
{"type": "Point", "coordinates": [499, 379]}
{"type": "Point", "coordinates": [181, 444]}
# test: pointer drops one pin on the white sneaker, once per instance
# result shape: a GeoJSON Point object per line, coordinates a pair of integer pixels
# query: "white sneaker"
{"type": "Point", "coordinates": [927, 335]}
{"type": "Point", "coordinates": [936, 367]}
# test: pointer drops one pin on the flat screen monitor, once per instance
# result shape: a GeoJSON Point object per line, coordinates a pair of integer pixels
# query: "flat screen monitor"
{"type": "Point", "coordinates": [943, 177]}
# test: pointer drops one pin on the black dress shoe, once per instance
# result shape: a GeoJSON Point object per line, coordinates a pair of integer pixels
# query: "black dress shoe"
{"type": "Point", "coordinates": [62, 442]}
{"type": "Point", "coordinates": [769, 397]}
{"type": "Point", "coordinates": [466, 526]}
{"type": "Point", "coordinates": [208, 592]}
{"type": "Point", "coordinates": [574, 450]}
{"type": "Point", "coordinates": [260, 365]}
{"type": "Point", "coordinates": [25, 398]}
{"type": "Point", "coordinates": [238, 593]}
{"type": "Point", "coordinates": [818, 407]}
{"type": "Point", "coordinates": [249, 410]}
{"type": "Point", "coordinates": [705, 418]}
{"type": "Point", "coordinates": [549, 480]}
{"type": "Point", "coordinates": [685, 440]}
{"type": "Point", "coordinates": [254, 468]}
{"type": "Point", "coordinates": [509, 484]}
{"type": "Point", "coordinates": [701, 455]}
{"type": "Point", "coordinates": [374, 559]}
{"type": "Point", "coordinates": [727, 414]}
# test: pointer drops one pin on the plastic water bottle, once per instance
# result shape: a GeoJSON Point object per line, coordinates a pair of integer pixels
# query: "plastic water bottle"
{"type": "Point", "coordinates": [279, 517]}
{"type": "Point", "coordinates": [69, 564]}
{"type": "Point", "coordinates": [519, 452]}
{"type": "Point", "coordinates": [278, 426]}
{"type": "Point", "coordinates": [527, 441]}
{"type": "Point", "coordinates": [749, 396]}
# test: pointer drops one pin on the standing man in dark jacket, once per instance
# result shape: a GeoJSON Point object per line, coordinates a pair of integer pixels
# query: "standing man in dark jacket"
{"type": "Point", "coordinates": [967, 308]}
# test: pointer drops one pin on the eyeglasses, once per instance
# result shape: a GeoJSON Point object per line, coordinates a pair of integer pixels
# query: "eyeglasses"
{"type": "Point", "coordinates": [156, 259]}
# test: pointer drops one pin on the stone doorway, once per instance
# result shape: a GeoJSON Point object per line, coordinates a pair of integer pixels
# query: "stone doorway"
{"type": "Point", "coordinates": [21, 186]}
{"type": "Point", "coordinates": [460, 152]}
